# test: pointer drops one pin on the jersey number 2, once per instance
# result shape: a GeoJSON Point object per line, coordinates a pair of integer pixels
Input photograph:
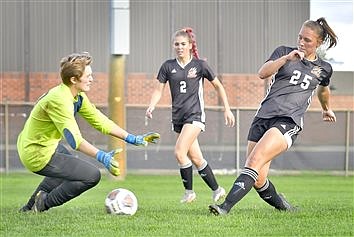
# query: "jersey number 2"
{"type": "Point", "coordinates": [296, 77]}
{"type": "Point", "coordinates": [183, 87]}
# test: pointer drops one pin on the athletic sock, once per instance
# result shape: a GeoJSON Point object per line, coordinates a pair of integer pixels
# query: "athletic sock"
{"type": "Point", "coordinates": [240, 188]}
{"type": "Point", "coordinates": [208, 176]}
{"type": "Point", "coordinates": [31, 200]}
{"type": "Point", "coordinates": [268, 193]}
{"type": "Point", "coordinates": [186, 172]}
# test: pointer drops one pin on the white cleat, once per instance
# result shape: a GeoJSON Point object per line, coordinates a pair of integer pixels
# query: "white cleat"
{"type": "Point", "coordinates": [189, 196]}
{"type": "Point", "coordinates": [218, 194]}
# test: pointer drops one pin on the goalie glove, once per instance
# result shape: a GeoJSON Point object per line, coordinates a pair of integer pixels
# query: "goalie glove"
{"type": "Point", "coordinates": [143, 140]}
{"type": "Point", "coordinates": [107, 159]}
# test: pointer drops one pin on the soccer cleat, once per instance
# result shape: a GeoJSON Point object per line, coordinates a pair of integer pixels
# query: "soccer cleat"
{"type": "Point", "coordinates": [25, 208]}
{"type": "Point", "coordinates": [217, 210]}
{"type": "Point", "coordinates": [189, 196]}
{"type": "Point", "coordinates": [218, 194]}
{"type": "Point", "coordinates": [38, 205]}
{"type": "Point", "coordinates": [286, 205]}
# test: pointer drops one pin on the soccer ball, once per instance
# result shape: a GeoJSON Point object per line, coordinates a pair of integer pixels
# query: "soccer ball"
{"type": "Point", "coordinates": [121, 202]}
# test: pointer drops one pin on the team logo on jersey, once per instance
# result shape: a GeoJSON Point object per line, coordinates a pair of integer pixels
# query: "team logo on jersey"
{"type": "Point", "coordinates": [316, 70]}
{"type": "Point", "coordinates": [174, 71]}
{"type": "Point", "coordinates": [192, 73]}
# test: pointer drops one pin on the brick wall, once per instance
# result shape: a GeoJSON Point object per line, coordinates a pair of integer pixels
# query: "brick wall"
{"type": "Point", "coordinates": [243, 90]}
{"type": "Point", "coordinates": [12, 86]}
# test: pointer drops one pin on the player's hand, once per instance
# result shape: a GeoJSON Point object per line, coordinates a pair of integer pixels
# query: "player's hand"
{"type": "Point", "coordinates": [107, 159]}
{"type": "Point", "coordinates": [143, 140]}
{"type": "Point", "coordinates": [328, 116]}
{"type": "Point", "coordinates": [151, 137]}
{"type": "Point", "coordinates": [148, 112]}
{"type": "Point", "coordinates": [295, 54]}
{"type": "Point", "coordinates": [229, 118]}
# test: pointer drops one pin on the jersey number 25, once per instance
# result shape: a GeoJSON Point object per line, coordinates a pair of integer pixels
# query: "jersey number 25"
{"type": "Point", "coordinates": [305, 83]}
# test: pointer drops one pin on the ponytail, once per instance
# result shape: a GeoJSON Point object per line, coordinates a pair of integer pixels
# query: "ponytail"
{"type": "Point", "coordinates": [328, 35]}
{"type": "Point", "coordinates": [192, 39]}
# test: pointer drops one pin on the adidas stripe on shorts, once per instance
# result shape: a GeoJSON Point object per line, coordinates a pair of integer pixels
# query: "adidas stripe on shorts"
{"type": "Point", "coordinates": [285, 125]}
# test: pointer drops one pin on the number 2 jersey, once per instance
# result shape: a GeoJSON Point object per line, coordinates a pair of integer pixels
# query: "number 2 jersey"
{"type": "Point", "coordinates": [186, 86]}
{"type": "Point", "coordinates": [292, 87]}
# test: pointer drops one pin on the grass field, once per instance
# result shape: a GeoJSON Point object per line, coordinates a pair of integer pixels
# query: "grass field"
{"type": "Point", "coordinates": [326, 209]}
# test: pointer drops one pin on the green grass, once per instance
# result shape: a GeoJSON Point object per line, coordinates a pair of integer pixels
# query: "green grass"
{"type": "Point", "coordinates": [326, 209]}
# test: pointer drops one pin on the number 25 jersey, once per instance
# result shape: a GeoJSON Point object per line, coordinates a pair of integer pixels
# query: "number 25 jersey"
{"type": "Point", "coordinates": [292, 87]}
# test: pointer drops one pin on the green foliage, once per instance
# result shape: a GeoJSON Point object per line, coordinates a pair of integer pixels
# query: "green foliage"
{"type": "Point", "coordinates": [326, 209]}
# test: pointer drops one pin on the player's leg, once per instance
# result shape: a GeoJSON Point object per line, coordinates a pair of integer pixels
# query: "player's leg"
{"type": "Point", "coordinates": [187, 135]}
{"type": "Point", "coordinates": [78, 176]}
{"type": "Point", "coordinates": [267, 191]}
{"type": "Point", "coordinates": [47, 184]}
{"type": "Point", "coordinates": [269, 194]}
{"type": "Point", "coordinates": [268, 147]}
{"type": "Point", "coordinates": [263, 185]}
{"type": "Point", "coordinates": [205, 171]}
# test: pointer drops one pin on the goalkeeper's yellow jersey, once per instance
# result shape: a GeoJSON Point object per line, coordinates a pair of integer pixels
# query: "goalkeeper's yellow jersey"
{"type": "Point", "coordinates": [53, 118]}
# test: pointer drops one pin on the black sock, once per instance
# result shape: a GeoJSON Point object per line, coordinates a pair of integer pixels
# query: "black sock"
{"type": "Point", "coordinates": [47, 185]}
{"type": "Point", "coordinates": [241, 187]}
{"type": "Point", "coordinates": [208, 176]}
{"type": "Point", "coordinates": [268, 193]}
{"type": "Point", "coordinates": [187, 176]}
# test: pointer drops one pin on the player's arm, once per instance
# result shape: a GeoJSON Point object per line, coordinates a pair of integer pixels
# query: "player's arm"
{"type": "Point", "coordinates": [155, 98]}
{"type": "Point", "coordinates": [138, 140]}
{"type": "Point", "coordinates": [105, 125]}
{"type": "Point", "coordinates": [66, 123]}
{"type": "Point", "coordinates": [106, 158]}
{"type": "Point", "coordinates": [323, 94]}
{"type": "Point", "coordinates": [87, 148]}
{"type": "Point", "coordinates": [272, 66]}
{"type": "Point", "coordinates": [228, 115]}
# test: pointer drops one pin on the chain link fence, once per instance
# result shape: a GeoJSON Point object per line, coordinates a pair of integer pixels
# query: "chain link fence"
{"type": "Point", "coordinates": [319, 147]}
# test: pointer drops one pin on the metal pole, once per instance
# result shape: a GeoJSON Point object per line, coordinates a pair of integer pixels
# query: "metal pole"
{"type": "Point", "coordinates": [7, 159]}
{"type": "Point", "coordinates": [237, 141]}
{"type": "Point", "coordinates": [347, 133]}
{"type": "Point", "coordinates": [116, 106]}
{"type": "Point", "coordinates": [26, 47]}
{"type": "Point", "coordinates": [120, 33]}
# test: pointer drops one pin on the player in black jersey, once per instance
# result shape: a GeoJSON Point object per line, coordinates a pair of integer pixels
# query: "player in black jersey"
{"type": "Point", "coordinates": [185, 75]}
{"type": "Point", "coordinates": [296, 74]}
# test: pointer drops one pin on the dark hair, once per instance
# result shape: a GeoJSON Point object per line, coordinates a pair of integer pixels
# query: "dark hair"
{"type": "Point", "coordinates": [325, 32]}
{"type": "Point", "coordinates": [188, 33]}
{"type": "Point", "coordinates": [74, 65]}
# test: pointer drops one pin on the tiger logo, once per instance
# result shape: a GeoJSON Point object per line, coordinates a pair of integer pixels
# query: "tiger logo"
{"type": "Point", "coordinates": [192, 73]}
{"type": "Point", "coordinates": [316, 70]}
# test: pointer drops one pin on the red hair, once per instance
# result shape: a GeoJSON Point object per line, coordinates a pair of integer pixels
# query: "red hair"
{"type": "Point", "coordinates": [193, 40]}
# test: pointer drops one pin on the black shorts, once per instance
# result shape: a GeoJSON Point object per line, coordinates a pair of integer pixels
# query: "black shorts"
{"type": "Point", "coordinates": [178, 127]}
{"type": "Point", "coordinates": [286, 126]}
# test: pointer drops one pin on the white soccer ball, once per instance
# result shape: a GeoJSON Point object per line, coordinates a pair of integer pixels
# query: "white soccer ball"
{"type": "Point", "coordinates": [121, 202]}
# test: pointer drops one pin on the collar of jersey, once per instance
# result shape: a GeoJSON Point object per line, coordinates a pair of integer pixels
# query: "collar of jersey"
{"type": "Point", "coordinates": [314, 60]}
{"type": "Point", "coordinates": [181, 65]}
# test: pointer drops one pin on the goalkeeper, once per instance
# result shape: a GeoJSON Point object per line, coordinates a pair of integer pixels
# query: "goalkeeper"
{"type": "Point", "coordinates": [53, 118]}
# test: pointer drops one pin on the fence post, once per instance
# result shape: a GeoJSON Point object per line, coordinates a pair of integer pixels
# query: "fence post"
{"type": "Point", "coordinates": [6, 137]}
{"type": "Point", "coordinates": [237, 141]}
{"type": "Point", "coordinates": [347, 135]}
